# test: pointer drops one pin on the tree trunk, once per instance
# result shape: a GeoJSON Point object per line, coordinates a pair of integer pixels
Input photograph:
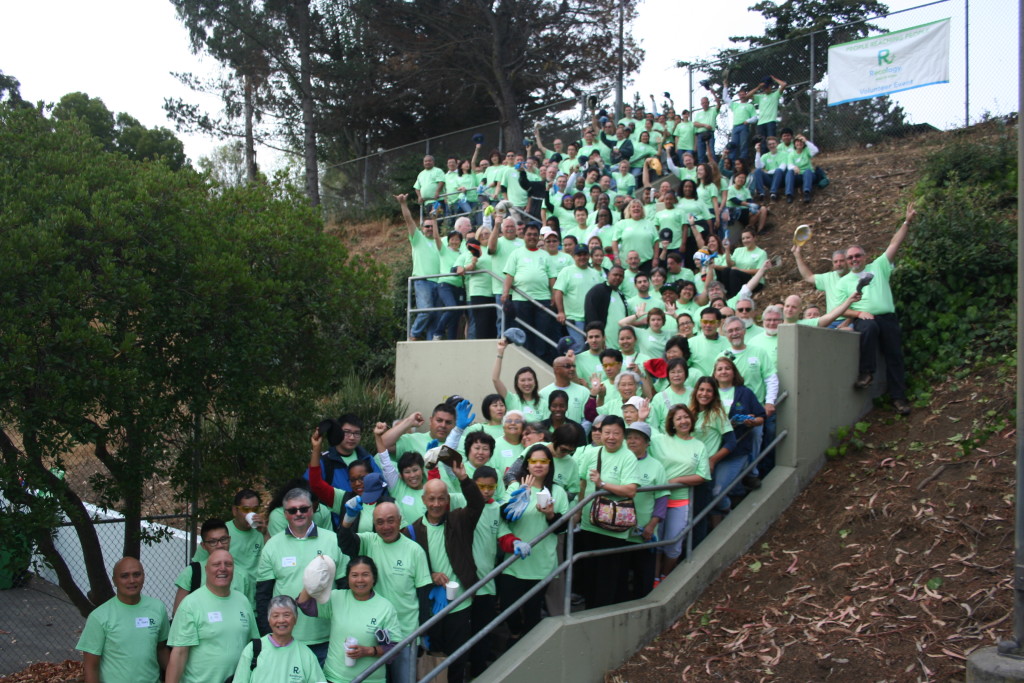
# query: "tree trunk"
{"type": "Point", "coordinates": [306, 93]}
{"type": "Point", "coordinates": [250, 146]}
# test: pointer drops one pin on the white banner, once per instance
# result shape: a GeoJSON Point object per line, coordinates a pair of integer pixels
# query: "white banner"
{"type": "Point", "coordinates": [888, 63]}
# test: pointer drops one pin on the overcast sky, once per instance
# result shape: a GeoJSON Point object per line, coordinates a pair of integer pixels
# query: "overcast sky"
{"type": "Point", "coordinates": [123, 51]}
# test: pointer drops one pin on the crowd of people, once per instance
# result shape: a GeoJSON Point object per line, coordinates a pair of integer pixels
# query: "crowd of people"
{"type": "Point", "coordinates": [663, 376]}
{"type": "Point", "coordinates": [651, 184]}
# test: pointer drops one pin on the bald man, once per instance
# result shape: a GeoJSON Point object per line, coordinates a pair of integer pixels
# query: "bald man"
{"type": "Point", "coordinates": [403, 573]}
{"type": "Point", "coordinates": [564, 368]}
{"type": "Point", "coordinates": [446, 536]}
{"type": "Point", "coordinates": [211, 627]}
{"type": "Point", "coordinates": [125, 638]}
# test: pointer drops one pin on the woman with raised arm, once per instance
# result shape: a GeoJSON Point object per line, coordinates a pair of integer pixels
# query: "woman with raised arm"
{"type": "Point", "coordinates": [525, 397]}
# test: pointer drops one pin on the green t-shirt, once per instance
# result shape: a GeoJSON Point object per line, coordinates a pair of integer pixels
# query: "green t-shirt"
{"type": "Point", "coordinates": [707, 194]}
{"type": "Point", "coordinates": [651, 343]}
{"type": "Point", "coordinates": [768, 106]}
{"type": "Point", "coordinates": [877, 296]}
{"type": "Point", "coordinates": [650, 473]}
{"type": "Point", "coordinates": [741, 111]}
{"type": "Point", "coordinates": [708, 117]}
{"type": "Point", "coordinates": [284, 560]}
{"type": "Point", "coordinates": [673, 219]}
{"type": "Point", "coordinates": [618, 468]}
{"type": "Point", "coordinates": [830, 284]}
{"type": "Point", "coordinates": [703, 352]}
{"type": "Point", "coordinates": [696, 207]}
{"type": "Point", "coordinates": [800, 161]}
{"type": "Point", "coordinates": [401, 569]}
{"type": "Point", "coordinates": [567, 475]}
{"type": "Point", "coordinates": [505, 454]}
{"type": "Point", "coordinates": [531, 271]}
{"type": "Point", "coordinates": [426, 260]}
{"type": "Point", "coordinates": [638, 236]}
{"type": "Point", "coordinates": [215, 630]}
{"type": "Point", "coordinates": [533, 411]}
{"type": "Point", "coordinates": [710, 429]}
{"type": "Point", "coordinates": [543, 556]}
{"type": "Point", "coordinates": [485, 542]}
{"type": "Point", "coordinates": [125, 637]}
{"type": "Point", "coordinates": [480, 284]}
{"type": "Point", "coordinates": [574, 283]}
{"type": "Point", "coordinates": [359, 619]}
{"type": "Point", "coordinates": [769, 343]}
{"type": "Point", "coordinates": [773, 161]}
{"type": "Point", "coordinates": [446, 261]}
{"type": "Point", "coordinates": [293, 663]}
{"type": "Point", "coordinates": [685, 135]}
{"type": "Point", "coordinates": [681, 458]}
{"type": "Point", "coordinates": [409, 500]}
{"type": "Point", "coordinates": [587, 363]}
{"type": "Point", "coordinates": [439, 561]}
{"type": "Point", "coordinates": [426, 182]}
{"type": "Point", "coordinates": [559, 261]}
{"type": "Point", "coordinates": [504, 248]}
{"type": "Point", "coordinates": [625, 183]}
{"type": "Point", "coordinates": [578, 397]}
{"type": "Point", "coordinates": [749, 259]}
{"type": "Point", "coordinates": [662, 403]}
{"type": "Point", "coordinates": [641, 152]}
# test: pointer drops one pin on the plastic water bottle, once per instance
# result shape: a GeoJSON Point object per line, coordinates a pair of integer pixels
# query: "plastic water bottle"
{"type": "Point", "coordinates": [351, 641]}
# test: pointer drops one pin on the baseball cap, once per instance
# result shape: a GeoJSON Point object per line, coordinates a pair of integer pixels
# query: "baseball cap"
{"type": "Point", "coordinates": [641, 427]}
{"type": "Point", "coordinates": [373, 487]}
{"type": "Point", "coordinates": [318, 578]}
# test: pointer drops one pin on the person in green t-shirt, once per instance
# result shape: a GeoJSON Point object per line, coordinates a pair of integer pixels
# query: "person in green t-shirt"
{"type": "Point", "coordinates": [213, 534]}
{"type": "Point", "coordinates": [211, 627]}
{"type": "Point", "coordinates": [360, 613]}
{"type": "Point", "coordinates": [651, 507]}
{"type": "Point", "coordinates": [799, 165]}
{"type": "Point", "coordinates": [451, 290]}
{"type": "Point", "coordinates": [767, 95]}
{"type": "Point", "coordinates": [743, 115]}
{"type": "Point", "coordinates": [280, 657]}
{"type": "Point", "coordinates": [519, 578]}
{"type": "Point", "coordinates": [610, 467]}
{"type": "Point", "coordinates": [705, 123]}
{"type": "Point", "coordinates": [125, 638]}
{"type": "Point", "coordinates": [429, 183]}
{"type": "Point", "coordinates": [426, 260]}
{"type": "Point", "coordinates": [530, 271]}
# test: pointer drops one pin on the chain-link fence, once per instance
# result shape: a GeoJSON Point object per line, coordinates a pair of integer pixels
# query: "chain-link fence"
{"type": "Point", "coordinates": [368, 183]}
{"type": "Point", "coordinates": [972, 94]}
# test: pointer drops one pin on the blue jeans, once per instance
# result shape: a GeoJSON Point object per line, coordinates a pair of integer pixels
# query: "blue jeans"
{"type": "Point", "coordinates": [702, 152]}
{"type": "Point", "coordinates": [767, 130]}
{"type": "Point", "coordinates": [740, 142]}
{"type": "Point", "coordinates": [403, 667]}
{"type": "Point", "coordinates": [726, 471]}
{"type": "Point", "coordinates": [578, 340]}
{"type": "Point", "coordinates": [448, 321]}
{"type": "Point", "coordinates": [768, 464]}
{"type": "Point", "coordinates": [426, 297]}
{"type": "Point", "coordinates": [457, 206]}
{"type": "Point", "coordinates": [771, 180]}
{"type": "Point", "coordinates": [757, 437]}
{"type": "Point", "coordinates": [807, 179]}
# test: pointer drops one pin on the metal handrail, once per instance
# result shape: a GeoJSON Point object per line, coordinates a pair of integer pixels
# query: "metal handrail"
{"type": "Point", "coordinates": [566, 565]}
{"type": "Point", "coordinates": [410, 310]}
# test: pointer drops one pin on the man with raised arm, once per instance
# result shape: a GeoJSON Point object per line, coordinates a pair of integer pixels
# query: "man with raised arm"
{"type": "Point", "coordinates": [426, 260]}
{"type": "Point", "coordinates": [874, 316]}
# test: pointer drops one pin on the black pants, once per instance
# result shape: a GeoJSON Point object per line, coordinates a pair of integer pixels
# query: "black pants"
{"type": "Point", "coordinates": [526, 617]}
{"type": "Point", "coordinates": [600, 580]}
{"type": "Point", "coordinates": [883, 333]}
{"type": "Point", "coordinates": [525, 311]}
{"type": "Point", "coordinates": [642, 565]}
{"type": "Point", "coordinates": [448, 635]}
{"type": "Point", "coordinates": [482, 613]}
{"type": "Point", "coordinates": [483, 321]}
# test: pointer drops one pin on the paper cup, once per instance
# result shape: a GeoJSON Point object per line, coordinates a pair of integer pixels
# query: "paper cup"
{"type": "Point", "coordinates": [349, 642]}
{"type": "Point", "coordinates": [451, 588]}
{"type": "Point", "coordinates": [249, 517]}
{"type": "Point", "coordinates": [543, 498]}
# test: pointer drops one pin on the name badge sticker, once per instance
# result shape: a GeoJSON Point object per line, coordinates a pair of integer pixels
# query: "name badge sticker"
{"type": "Point", "coordinates": [408, 500]}
{"type": "Point", "coordinates": [143, 622]}
{"type": "Point", "coordinates": [289, 562]}
{"type": "Point", "coordinates": [214, 617]}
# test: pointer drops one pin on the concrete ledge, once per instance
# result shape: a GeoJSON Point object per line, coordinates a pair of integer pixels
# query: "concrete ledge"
{"type": "Point", "coordinates": [584, 646]}
{"type": "Point", "coordinates": [988, 666]}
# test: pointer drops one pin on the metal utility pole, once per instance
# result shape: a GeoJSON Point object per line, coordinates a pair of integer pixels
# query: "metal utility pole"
{"type": "Point", "coordinates": [622, 48]}
{"type": "Point", "coordinates": [967, 63]}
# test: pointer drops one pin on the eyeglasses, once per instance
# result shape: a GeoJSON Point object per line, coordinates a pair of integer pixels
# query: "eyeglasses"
{"type": "Point", "coordinates": [221, 541]}
{"type": "Point", "coordinates": [537, 461]}
{"type": "Point", "coordinates": [513, 422]}
{"type": "Point", "coordinates": [248, 508]}
{"type": "Point", "coordinates": [567, 365]}
{"type": "Point", "coordinates": [744, 310]}
{"type": "Point", "coordinates": [301, 509]}
{"type": "Point", "coordinates": [352, 432]}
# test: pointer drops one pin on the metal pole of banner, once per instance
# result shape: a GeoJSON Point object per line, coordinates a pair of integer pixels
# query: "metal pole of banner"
{"type": "Point", "coordinates": [1018, 574]}
{"type": "Point", "coordinates": [620, 75]}
{"type": "Point", "coordinates": [810, 91]}
{"type": "Point", "coordinates": [967, 63]}
{"type": "Point", "coordinates": [689, 71]}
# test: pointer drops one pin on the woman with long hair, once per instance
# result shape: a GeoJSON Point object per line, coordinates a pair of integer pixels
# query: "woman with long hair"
{"type": "Point", "coordinates": [713, 429]}
{"type": "Point", "coordinates": [525, 397]}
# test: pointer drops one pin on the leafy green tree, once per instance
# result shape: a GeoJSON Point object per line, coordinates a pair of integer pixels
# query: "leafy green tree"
{"type": "Point", "coordinates": [181, 337]}
{"type": "Point", "coordinates": [226, 164]}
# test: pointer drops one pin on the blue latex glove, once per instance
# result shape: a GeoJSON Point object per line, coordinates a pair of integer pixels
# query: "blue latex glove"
{"type": "Point", "coordinates": [463, 416]}
{"type": "Point", "coordinates": [439, 598]}
{"type": "Point", "coordinates": [522, 549]}
{"type": "Point", "coordinates": [433, 443]}
{"type": "Point", "coordinates": [353, 507]}
{"type": "Point", "coordinates": [425, 641]}
{"type": "Point", "coordinates": [518, 502]}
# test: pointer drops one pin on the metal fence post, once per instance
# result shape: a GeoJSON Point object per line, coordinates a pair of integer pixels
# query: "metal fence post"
{"type": "Point", "coordinates": [810, 90]}
{"type": "Point", "coordinates": [689, 71]}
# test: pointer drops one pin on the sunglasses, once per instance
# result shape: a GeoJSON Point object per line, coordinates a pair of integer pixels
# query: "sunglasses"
{"type": "Point", "coordinates": [486, 489]}
{"type": "Point", "coordinates": [301, 509]}
{"type": "Point", "coordinates": [537, 461]}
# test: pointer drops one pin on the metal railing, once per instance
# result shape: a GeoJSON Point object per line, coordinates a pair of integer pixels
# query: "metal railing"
{"type": "Point", "coordinates": [410, 310]}
{"type": "Point", "coordinates": [565, 566]}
